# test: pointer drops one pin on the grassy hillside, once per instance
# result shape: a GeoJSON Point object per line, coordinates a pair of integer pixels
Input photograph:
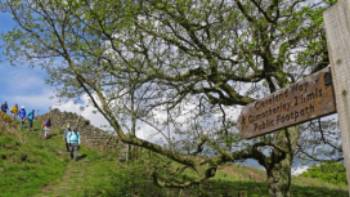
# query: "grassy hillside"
{"type": "Point", "coordinates": [30, 166]}
{"type": "Point", "coordinates": [27, 163]}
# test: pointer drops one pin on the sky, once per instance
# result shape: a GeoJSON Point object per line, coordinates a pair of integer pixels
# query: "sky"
{"type": "Point", "coordinates": [26, 86]}
{"type": "Point", "coordinates": [21, 84]}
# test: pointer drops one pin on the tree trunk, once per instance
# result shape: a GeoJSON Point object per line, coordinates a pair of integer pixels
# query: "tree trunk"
{"type": "Point", "coordinates": [279, 178]}
{"type": "Point", "coordinates": [278, 168]}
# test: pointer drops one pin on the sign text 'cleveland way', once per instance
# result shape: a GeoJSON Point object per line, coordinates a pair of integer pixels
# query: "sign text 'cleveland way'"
{"type": "Point", "coordinates": [310, 98]}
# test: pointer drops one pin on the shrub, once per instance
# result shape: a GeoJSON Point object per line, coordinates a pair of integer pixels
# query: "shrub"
{"type": "Point", "coordinates": [5, 118]}
{"type": "Point", "coordinates": [332, 172]}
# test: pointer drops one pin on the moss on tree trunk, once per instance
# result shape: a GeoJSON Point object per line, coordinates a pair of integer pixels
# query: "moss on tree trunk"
{"type": "Point", "coordinates": [279, 178]}
{"type": "Point", "coordinates": [278, 167]}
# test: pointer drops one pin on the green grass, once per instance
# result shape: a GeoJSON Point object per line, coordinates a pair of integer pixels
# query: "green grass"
{"type": "Point", "coordinates": [27, 163]}
{"type": "Point", "coordinates": [133, 179]}
{"type": "Point", "coordinates": [332, 172]}
{"type": "Point", "coordinates": [80, 175]}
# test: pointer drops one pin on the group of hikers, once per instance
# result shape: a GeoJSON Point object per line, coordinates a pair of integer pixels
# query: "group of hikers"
{"type": "Point", "coordinates": [71, 135]}
{"type": "Point", "coordinates": [19, 114]}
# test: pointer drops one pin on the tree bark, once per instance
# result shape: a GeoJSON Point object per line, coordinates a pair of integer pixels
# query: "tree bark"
{"type": "Point", "coordinates": [279, 164]}
{"type": "Point", "coordinates": [279, 178]}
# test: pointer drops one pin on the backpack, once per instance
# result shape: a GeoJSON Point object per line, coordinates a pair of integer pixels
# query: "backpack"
{"type": "Point", "coordinates": [74, 140]}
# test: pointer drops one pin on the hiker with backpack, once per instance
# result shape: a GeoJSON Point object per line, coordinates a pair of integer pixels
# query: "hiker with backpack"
{"type": "Point", "coordinates": [46, 128]}
{"type": "Point", "coordinates": [74, 143]}
{"type": "Point", "coordinates": [22, 115]}
{"type": "Point", "coordinates": [65, 135]}
{"type": "Point", "coordinates": [31, 117]}
{"type": "Point", "coordinates": [14, 111]}
{"type": "Point", "coordinates": [4, 107]}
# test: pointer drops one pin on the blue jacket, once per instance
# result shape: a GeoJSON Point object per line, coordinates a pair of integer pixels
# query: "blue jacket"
{"type": "Point", "coordinates": [22, 113]}
{"type": "Point", "coordinates": [73, 137]}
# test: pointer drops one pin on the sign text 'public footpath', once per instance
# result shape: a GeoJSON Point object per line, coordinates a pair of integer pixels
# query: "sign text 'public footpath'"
{"type": "Point", "coordinates": [308, 99]}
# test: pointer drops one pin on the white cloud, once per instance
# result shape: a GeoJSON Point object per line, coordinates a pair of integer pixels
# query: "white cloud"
{"type": "Point", "coordinates": [299, 170]}
{"type": "Point", "coordinates": [38, 102]}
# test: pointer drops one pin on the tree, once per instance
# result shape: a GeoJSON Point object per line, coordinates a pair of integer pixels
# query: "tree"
{"type": "Point", "coordinates": [191, 63]}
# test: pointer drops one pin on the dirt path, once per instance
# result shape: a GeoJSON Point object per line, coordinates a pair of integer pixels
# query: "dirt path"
{"type": "Point", "coordinates": [71, 182]}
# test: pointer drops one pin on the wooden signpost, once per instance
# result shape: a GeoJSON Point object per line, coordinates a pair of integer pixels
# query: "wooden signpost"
{"type": "Point", "coordinates": [316, 95]}
{"type": "Point", "coordinates": [337, 22]}
{"type": "Point", "coordinates": [310, 98]}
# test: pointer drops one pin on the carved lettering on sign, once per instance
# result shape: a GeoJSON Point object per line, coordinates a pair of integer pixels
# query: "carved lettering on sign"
{"type": "Point", "coordinates": [308, 99]}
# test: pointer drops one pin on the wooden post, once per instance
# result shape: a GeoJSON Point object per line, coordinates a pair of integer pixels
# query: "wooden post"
{"type": "Point", "coordinates": [337, 21]}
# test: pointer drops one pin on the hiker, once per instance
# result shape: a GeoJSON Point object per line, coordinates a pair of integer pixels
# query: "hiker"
{"type": "Point", "coordinates": [31, 117]}
{"type": "Point", "coordinates": [22, 115]}
{"type": "Point", "coordinates": [4, 107]}
{"type": "Point", "coordinates": [65, 135]}
{"type": "Point", "coordinates": [14, 111]}
{"type": "Point", "coordinates": [74, 143]}
{"type": "Point", "coordinates": [46, 128]}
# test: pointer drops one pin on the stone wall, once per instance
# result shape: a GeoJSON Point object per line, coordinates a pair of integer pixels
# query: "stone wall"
{"type": "Point", "coordinates": [90, 135]}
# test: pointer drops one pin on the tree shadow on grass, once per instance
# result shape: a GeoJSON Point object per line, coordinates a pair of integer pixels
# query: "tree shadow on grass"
{"type": "Point", "coordinates": [309, 191]}
{"type": "Point", "coordinates": [129, 185]}
{"type": "Point", "coordinates": [221, 188]}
